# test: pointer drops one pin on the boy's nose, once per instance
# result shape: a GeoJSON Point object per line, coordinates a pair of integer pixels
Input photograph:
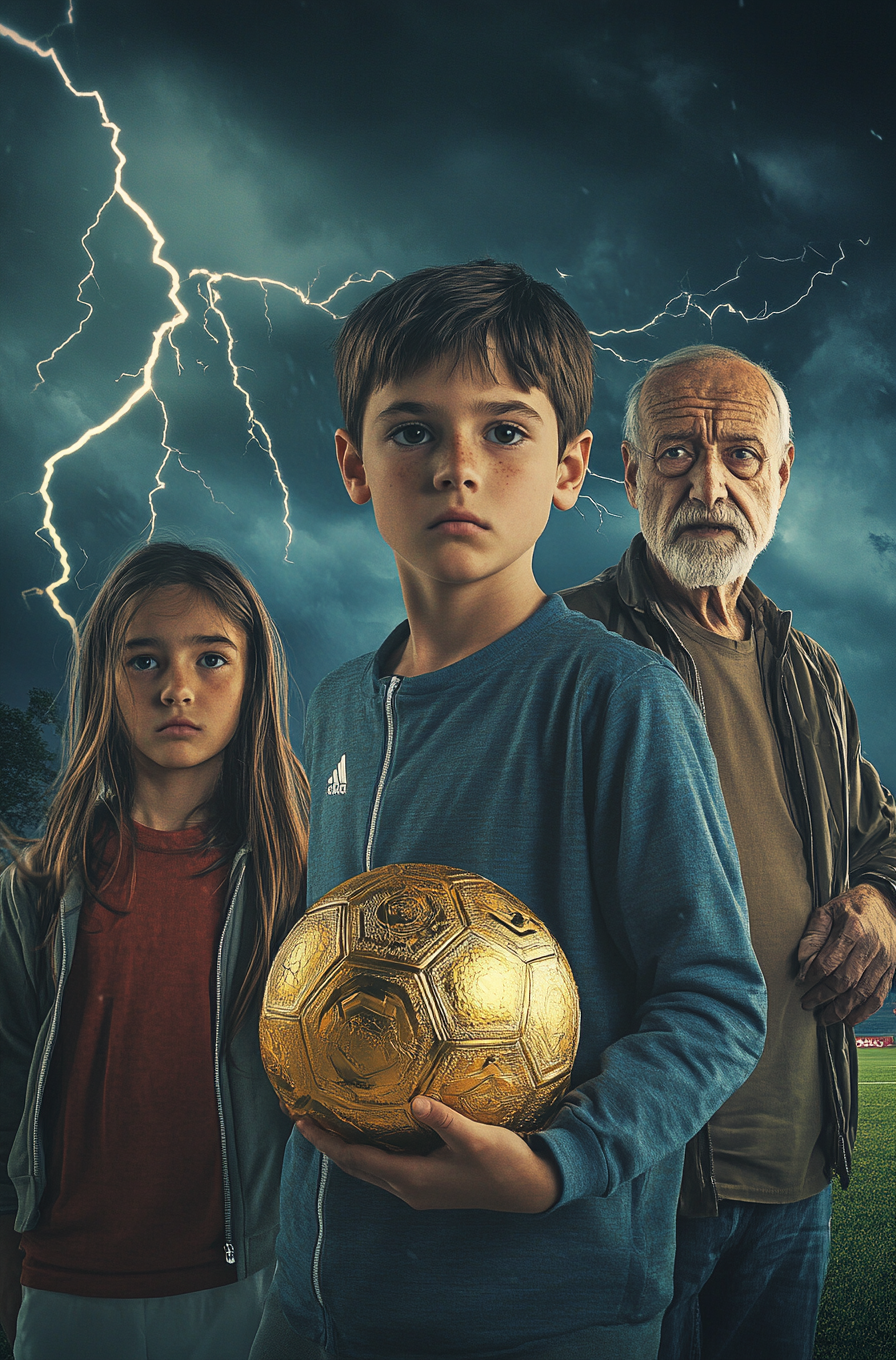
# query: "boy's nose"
{"type": "Point", "coordinates": [456, 466]}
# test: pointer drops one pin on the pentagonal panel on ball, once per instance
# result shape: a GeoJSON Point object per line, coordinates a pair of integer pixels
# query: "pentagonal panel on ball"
{"type": "Point", "coordinates": [492, 1084]}
{"type": "Point", "coordinates": [480, 988]}
{"type": "Point", "coordinates": [501, 917]}
{"type": "Point", "coordinates": [285, 1058]}
{"type": "Point", "coordinates": [308, 950]}
{"type": "Point", "coordinates": [551, 1031]}
{"type": "Point", "coordinates": [368, 1033]}
{"type": "Point", "coordinates": [403, 912]}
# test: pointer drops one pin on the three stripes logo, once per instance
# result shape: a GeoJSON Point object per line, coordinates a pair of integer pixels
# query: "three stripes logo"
{"type": "Point", "coordinates": [337, 781]}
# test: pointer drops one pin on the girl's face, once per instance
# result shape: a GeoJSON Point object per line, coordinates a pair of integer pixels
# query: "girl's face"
{"type": "Point", "coordinates": [181, 678]}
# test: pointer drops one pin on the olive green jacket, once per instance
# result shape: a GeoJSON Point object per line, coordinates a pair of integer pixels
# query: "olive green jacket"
{"type": "Point", "coordinates": [846, 818]}
{"type": "Point", "coordinates": [253, 1128]}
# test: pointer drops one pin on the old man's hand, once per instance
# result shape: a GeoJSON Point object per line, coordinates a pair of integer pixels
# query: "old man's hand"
{"type": "Point", "coordinates": [848, 955]}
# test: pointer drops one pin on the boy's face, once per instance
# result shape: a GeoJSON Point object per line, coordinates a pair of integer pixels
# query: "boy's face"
{"type": "Point", "coordinates": [462, 471]}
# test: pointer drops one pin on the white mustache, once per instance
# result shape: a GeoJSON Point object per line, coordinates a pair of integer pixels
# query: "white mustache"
{"type": "Point", "coordinates": [687, 518]}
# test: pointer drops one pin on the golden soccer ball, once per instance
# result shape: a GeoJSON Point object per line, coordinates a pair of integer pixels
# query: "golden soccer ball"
{"type": "Point", "coordinates": [417, 979]}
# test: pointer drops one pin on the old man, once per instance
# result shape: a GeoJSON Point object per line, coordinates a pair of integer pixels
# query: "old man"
{"type": "Point", "coordinates": [708, 456]}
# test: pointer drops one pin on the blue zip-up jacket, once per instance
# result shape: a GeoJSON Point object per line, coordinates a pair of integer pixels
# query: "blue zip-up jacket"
{"type": "Point", "coordinates": [572, 768]}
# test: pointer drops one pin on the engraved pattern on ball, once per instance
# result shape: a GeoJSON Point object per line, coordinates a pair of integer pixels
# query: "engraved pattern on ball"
{"type": "Point", "coordinates": [419, 979]}
{"type": "Point", "coordinates": [553, 1015]}
{"type": "Point", "coordinates": [294, 970]}
{"type": "Point", "coordinates": [477, 984]}
{"type": "Point", "coordinates": [368, 1034]}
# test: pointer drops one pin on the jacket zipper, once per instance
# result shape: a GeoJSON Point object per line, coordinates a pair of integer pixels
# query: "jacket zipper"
{"type": "Point", "coordinates": [229, 1251]}
{"type": "Point", "coordinates": [832, 1074]}
{"type": "Point", "coordinates": [389, 708]}
{"type": "Point", "coordinates": [697, 687]}
{"type": "Point", "coordinates": [48, 1053]}
{"type": "Point", "coordinates": [319, 1244]}
{"type": "Point", "coordinates": [799, 770]}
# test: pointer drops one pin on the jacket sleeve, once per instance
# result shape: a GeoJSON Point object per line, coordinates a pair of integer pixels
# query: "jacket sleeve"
{"type": "Point", "coordinates": [871, 811]}
{"type": "Point", "coordinates": [22, 1011]}
{"type": "Point", "coordinates": [668, 884]}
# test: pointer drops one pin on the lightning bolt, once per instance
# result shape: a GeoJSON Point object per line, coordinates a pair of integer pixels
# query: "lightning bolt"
{"type": "Point", "coordinates": [163, 333]}
{"type": "Point", "coordinates": [210, 288]}
{"type": "Point", "coordinates": [686, 301]}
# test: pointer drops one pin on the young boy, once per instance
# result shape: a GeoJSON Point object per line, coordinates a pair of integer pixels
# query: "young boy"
{"type": "Point", "coordinates": [498, 732]}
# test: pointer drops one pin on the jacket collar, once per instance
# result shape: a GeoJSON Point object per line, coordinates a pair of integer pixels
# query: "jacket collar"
{"type": "Point", "coordinates": [636, 590]}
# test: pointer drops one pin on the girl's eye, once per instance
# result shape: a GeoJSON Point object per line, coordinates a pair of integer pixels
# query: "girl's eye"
{"type": "Point", "coordinates": [143, 663]}
{"type": "Point", "coordinates": [212, 661]}
{"type": "Point", "coordinates": [505, 434]}
{"type": "Point", "coordinates": [411, 436]}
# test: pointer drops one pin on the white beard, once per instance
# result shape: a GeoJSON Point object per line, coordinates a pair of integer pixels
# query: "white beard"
{"type": "Point", "coordinates": [703, 563]}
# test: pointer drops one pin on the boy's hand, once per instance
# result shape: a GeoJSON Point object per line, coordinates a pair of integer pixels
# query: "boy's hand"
{"type": "Point", "coordinates": [480, 1166]}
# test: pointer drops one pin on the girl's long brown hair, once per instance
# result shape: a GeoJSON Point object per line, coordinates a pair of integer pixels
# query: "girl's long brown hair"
{"type": "Point", "coordinates": [262, 799]}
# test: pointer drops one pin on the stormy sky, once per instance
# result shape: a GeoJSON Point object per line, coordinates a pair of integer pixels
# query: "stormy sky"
{"type": "Point", "coordinates": [629, 153]}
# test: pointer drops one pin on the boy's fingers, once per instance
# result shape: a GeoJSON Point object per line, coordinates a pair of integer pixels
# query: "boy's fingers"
{"type": "Point", "coordinates": [454, 1129]}
{"type": "Point", "coordinates": [367, 1163]}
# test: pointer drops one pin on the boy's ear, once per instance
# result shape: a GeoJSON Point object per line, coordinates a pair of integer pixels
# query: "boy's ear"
{"type": "Point", "coordinates": [352, 468]}
{"type": "Point", "coordinates": [571, 471]}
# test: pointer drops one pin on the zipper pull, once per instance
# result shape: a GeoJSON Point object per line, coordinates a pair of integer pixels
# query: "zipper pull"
{"type": "Point", "coordinates": [229, 1254]}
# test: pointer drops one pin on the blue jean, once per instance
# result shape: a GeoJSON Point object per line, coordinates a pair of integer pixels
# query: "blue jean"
{"type": "Point", "coordinates": [748, 1283]}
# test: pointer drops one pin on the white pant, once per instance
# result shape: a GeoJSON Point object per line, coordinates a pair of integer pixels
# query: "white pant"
{"type": "Point", "coordinates": [209, 1324]}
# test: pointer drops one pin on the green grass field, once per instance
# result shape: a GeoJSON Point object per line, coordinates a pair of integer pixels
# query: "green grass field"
{"type": "Point", "coordinates": [858, 1309]}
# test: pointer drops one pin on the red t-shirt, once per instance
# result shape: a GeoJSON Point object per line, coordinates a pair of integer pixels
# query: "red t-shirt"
{"type": "Point", "coordinates": [134, 1203]}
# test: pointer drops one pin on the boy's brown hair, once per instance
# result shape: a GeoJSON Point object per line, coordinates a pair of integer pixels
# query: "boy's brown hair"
{"type": "Point", "coordinates": [472, 314]}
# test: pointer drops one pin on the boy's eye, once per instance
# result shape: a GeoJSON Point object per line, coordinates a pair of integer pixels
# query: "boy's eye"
{"type": "Point", "coordinates": [212, 661]}
{"type": "Point", "coordinates": [506, 434]}
{"type": "Point", "coordinates": [411, 436]}
{"type": "Point", "coordinates": [143, 663]}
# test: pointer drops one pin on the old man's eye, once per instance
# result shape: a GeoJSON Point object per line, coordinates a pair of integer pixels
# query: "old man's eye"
{"type": "Point", "coordinates": [672, 462]}
{"type": "Point", "coordinates": [743, 462]}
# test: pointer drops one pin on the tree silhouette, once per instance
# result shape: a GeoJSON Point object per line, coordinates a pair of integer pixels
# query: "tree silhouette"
{"type": "Point", "coordinates": [27, 763]}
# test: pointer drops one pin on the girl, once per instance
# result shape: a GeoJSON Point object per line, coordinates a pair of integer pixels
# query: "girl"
{"type": "Point", "coordinates": [135, 937]}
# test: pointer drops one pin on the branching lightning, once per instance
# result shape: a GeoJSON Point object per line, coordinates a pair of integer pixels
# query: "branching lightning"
{"type": "Point", "coordinates": [210, 287]}
{"type": "Point", "coordinates": [686, 301]}
{"type": "Point", "coordinates": [165, 332]}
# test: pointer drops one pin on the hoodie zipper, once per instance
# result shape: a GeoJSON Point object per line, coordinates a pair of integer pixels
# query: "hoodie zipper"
{"type": "Point", "coordinates": [319, 1244]}
{"type": "Point", "coordinates": [389, 710]}
{"type": "Point", "coordinates": [229, 1251]}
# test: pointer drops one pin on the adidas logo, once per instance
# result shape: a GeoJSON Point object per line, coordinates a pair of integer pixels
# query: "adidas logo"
{"type": "Point", "coordinates": [337, 781]}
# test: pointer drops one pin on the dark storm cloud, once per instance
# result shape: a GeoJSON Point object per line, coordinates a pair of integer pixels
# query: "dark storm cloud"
{"type": "Point", "coordinates": [632, 148]}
